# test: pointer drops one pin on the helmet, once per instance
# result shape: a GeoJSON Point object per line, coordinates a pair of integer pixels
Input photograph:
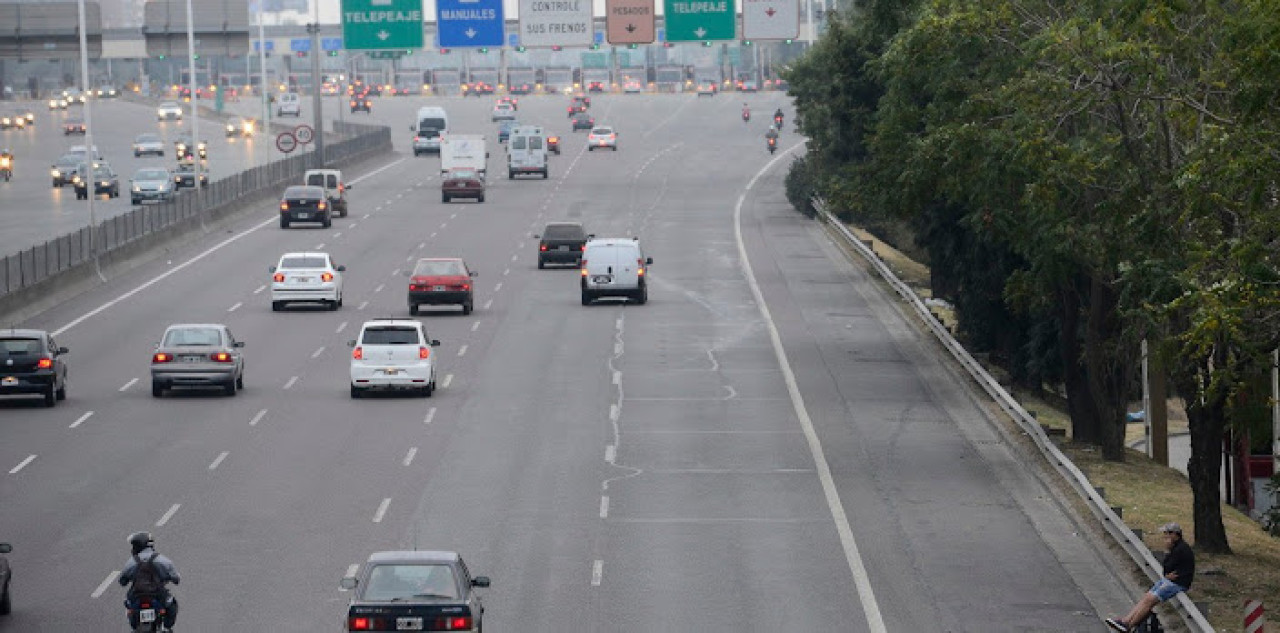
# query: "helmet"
{"type": "Point", "coordinates": [140, 541]}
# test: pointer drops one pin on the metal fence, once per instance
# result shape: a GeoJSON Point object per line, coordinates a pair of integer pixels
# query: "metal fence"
{"type": "Point", "coordinates": [44, 261]}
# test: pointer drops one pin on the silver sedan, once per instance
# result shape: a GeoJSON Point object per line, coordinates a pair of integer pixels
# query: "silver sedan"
{"type": "Point", "coordinates": [197, 355]}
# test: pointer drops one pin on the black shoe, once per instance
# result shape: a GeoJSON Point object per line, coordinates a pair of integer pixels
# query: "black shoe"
{"type": "Point", "coordinates": [1116, 625]}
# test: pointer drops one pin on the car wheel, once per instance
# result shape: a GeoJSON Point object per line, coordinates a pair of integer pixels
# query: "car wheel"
{"type": "Point", "coordinates": [642, 297]}
{"type": "Point", "coordinates": [332, 305]}
{"type": "Point", "coordinates": [339, 301]}
{"type": "Point", "coordinates": [240, 382]}
{"type": "Point", "coordinates": [5, 605]}
{"type": "Point", "coordinates": [277, 306]}
{"type": "Point", "coordinates": [444, 197]}
{"type": "Point", "coordinates": [590, 149]}
{"type": "Point", "coordinates": [157, 389]}
{"type": "Point", "coordinates": [355, 392]}
{"type": "Point", "coordinates": [61, 393]}
{"type": "Point", "coordinates": [511, 175]}
{"type": "Point", "coordinates": [545, 174]}
{"type": "Point", "coordinates": [429, 389]}
{"type": "Point", "coordinates": [135, 201]}
{"type": "Point", "coordinates": [586, 298]}
{"type": "Point", "coordinates": [467, 308]}
{"type": "Point", "coordinates": [284, 224]}
{"type": "Point", "coordinates": [615, 148]}
{"type": "Point", "coordinates": [230, 387]}
{"type": "Point", "coordinates": [328, 222]}
{"type": "Point", "coordinates": [541, 264]}
{"type": "Point", "coordinates": [344, 211]}
{"type": "Point", "coordinates": [50, 396]}
{"type": "Point", "coordinates": [480, 199]}
{"type": "Point", "coordinates": [137, 154]}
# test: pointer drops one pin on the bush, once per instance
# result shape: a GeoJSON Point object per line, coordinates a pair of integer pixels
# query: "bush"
{"type": "Point", "coordinates": [802, 186]}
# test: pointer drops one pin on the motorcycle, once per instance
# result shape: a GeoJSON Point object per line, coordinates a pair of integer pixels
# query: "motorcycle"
{"type": "Point", "coordinates": [746, 116]}
{"type": "Point", "coordinates": [777, 121]}
{"type": "Point", "coordinates": [773, 145]}
{"type": "Point", "coordinates": [147, 615]}
{"type": "Point", "coordinates": [6, 167]}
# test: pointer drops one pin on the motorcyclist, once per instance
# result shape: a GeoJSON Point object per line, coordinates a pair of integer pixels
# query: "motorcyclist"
{"type": "Point", "coordinates": [144, 558]}
{"type": "Point", "coordinates": [6, 163]}
{"type": "Point", "coordinates": [771, 139]}
{"type": "Point", "coordinates": [777, 117]}
{"type": "Point", "coordinates": [746, 112]}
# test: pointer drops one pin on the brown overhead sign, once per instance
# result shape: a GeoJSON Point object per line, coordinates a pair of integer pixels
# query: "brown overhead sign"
{"type": "Point", "coordinates": [629, 21]}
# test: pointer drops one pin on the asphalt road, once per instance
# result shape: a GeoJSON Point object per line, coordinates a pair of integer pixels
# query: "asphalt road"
{"type": "Point", "coordinates": [687, 465]}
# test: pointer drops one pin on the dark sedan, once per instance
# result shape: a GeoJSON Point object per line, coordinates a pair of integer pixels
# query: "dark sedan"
{"type": "Point", "coordinates": [583, 121]}
{"type": "Point", "coordinates": [462, 183]}
{"type": "Point", "coordinates": [31, 364]}
{"type": "Point", "coordinates": [74, 126]}
{"type": "Point", "coordinates": [362, 104]}
{"type": "Point", "coordinates": [305, 203]}
{"type": "Point", "coordinates": [415, 591]}
{"type": "Point", "coordinates": [105, 182]}
{"type": "Point", "coordinates": [185, 177]}
{"type": "Point", "coordinates": [561, 243]}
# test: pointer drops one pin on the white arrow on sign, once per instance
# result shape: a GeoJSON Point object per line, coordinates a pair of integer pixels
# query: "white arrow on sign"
{"type": "Point", "coordinates": [700, 32]}
{"type": "Point", "coordinates": [470, 33]}
{"type": "Point", "coordinates": [383, 35]}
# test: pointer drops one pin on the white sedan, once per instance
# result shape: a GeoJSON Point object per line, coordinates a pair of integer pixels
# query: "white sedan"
{"type": "Point", "coordinates": [504, 112]}
{"type": "Point", "coordinates": [146, 144]}
{"type": "Point", "coordinates": [306, 278]}
{"type": "Point", "coordinates": [169, 110]}
{"type": "Point", "coordinates": [602, 137]}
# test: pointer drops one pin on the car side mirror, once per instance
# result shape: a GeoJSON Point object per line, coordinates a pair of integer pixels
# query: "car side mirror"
{"type": "Point", "coordinates": [63, 350]}
{"type": "Point", "coordinates": [349, 583]}
{"type": "Point", "coordinates": [238, 344]}
{"type": "Point", "coordinates": [474, 273]}
{"type": "Point", "coordinates": [351, 343]}
{"type": "Point", "coordinates": [480, 581]}
{"type": "Point", "coordinates": [341, 269]}
{"type": "Point", "coordinates": [648, 261]}
{"type": "Point", "coordinates": [5, 548]}
{"type": "Point", "coordinates": [347, 186]}
{"type": "Point", "coordinates": [591, 236]}
{"type": "Point", "coordinates": [272, 269]}
{"type": "Point", "coordinates": [435, 343]}
{"type": "Point", "coordinates": [536, 236]}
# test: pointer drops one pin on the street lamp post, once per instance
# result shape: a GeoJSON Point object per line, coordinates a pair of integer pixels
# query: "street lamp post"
{"type": "Point", "coordinates": [195, 98]}
{"type": "Point", "coordinates": [90, 179]}
{"type": "Point", "coordinates": [264, 91]}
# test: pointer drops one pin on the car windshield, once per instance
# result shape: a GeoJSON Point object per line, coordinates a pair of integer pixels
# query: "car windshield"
{"type": "Point", "coordinates": [169, 104]}
{"type": "Point", "coordinates": [147, 138]}
{"type": "Point", "coordinates": [69, 160]}
{"type": "Point", "coordinates": [102, 172]}
{"type": "Point", "coordinates": [303, 261]}
{"type": "Point", "coordinates": [602, 131]}
{"type": "Point", "coordinates": [19, 346]}
{"type": "Point", "coordinates": [151, 174]}
{"type": "Point", "coordinates": [390, 335]}
{"type": "Point", "coordinates": [437, 268]}
{"type": "Point", "coordinates": [407, 581]}
{"type": "Point", "coordinates": [303, 193]}
{"type": "Point", "coordinates": [192, 336]}
{"type": "Point", "coordinates": [463, 174]}
{"type": "Point", "coordinates": [564, 232]}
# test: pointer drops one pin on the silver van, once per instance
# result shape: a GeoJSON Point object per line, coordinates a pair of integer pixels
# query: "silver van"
{"type": "Point", "coordinates": [614, 267]}
{"type": "Point", "coordinates": [527, 152]}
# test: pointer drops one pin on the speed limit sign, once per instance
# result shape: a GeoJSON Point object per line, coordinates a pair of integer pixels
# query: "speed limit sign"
{"type": "Point", "coordinates": [286, 142]}
{"type": "Point", "coordinates": [304, 134]}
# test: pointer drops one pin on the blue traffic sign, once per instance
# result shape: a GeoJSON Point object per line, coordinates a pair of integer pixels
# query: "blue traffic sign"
{"type": "Point", "coordinates": [257, 45]}
{"type": "Point", "coordinates": [662, 35]}
{"type": "Point", "coordinates": [331, 43]}
{"type": "Point", "coordinates": [300, 44]}
{"type": "Point", "coordinates": [599, 37]}
{"type": "Point", "coordinates": [465, 23]}
{"type": "Point", "coordinates": [513, 39]}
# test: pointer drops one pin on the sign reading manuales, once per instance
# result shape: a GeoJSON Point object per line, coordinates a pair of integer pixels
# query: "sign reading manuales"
{"type": "Point", "coordinates": [694, 20]}
{"type": "Point", "coordinates": [546, 23]}
{"type": "Point", "coordinates": [381, 24]}
{"type": "Point", "coordinates": [629, 21]}
{"type": "Point", "coordinates": [463, 23]}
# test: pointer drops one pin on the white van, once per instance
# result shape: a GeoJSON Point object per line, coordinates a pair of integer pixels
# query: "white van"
{"type": "Point", "coordinates": [334, 188]}
{"type": "Point", "coordinates": [614, 267]}
{"type": "Point", "coordinates": [527, 152]}
{"type": "Point", "coordinates": [289, 103]}
{"type": "Point", "coordinates": [464, 151]}
{"type": "Point", "coordinates": [431, 123]}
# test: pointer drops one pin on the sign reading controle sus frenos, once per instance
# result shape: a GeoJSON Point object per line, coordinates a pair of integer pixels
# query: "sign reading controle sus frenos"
{"type": "Point", "coordinates": [381, 24]}
{"type": "Point", "coordinates": [546, 23]}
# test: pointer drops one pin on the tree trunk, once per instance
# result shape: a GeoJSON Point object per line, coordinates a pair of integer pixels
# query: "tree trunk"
{"type": "Point", "coordinates": [1075, 380]}
{"type": "Point", "coordinates": [1204, 469]}
{"type": "Point", "coordinates": [1106, 361]}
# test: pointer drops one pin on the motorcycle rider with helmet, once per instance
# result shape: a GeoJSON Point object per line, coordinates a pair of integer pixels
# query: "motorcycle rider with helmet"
{"type": "Point", "coordinates": [771, 139]}
{"type": "Point", "coordinates": [746, 112]}
{"type": "Point", "coordinates": [146, 566]}
{"type": "Point", "coordinates": [777, 118]}
{"type": "Point", "coordinates": [6, 163]}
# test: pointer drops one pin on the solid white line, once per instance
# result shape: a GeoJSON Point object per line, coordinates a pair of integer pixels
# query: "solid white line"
{"type": "Point", "coordinates": [382, 510]}
{"type": "Point", "coordinates": [448, 379]}
{"type": "Point", "coordinates": [610, 453]}
{"type": "Point", "coordinates": [362, 305]}
{"type": "Point", "coordinates": [80, 420]}
{"type": "Point", "coordinates": [866, 594]}
{"type": "Point", "coordinates": [235, 307]}
{"type": "Point", "coordinates": [102, 588]}
{"type": "Point", "coordinates": [258, 417]}
{"type": "Point", "coordinates": [260, 289]}
{"type": "Point", "coordinates": [380, 287]}
{"type": "Point", "coordinates": [317, 353]}
{"type": "Point", "coordinates": [488, 304]}
{"type": "Point", "coordinates": [320, 246]}
{"type": "Point", "coordinates": [475, 326]}
{"type": "Point", "coordinates": [168, 515]}
{"type": "Point", "coordinates": [617, 377]}
{"type": "Point", "coordinates": [597, 572]}
{"type": "Point", "coordinates": [498, 287]}
{"type": "Point", "coordinates": [430, 416]}
{"type": "Point", "coordinates": [129, 384]}
{"type": "Point", "coordinates": [341, 326]}
{"type": "Point", "coordinates": [218, 460]}
{"type": "Point", "coordinates": [408, 459]}
{"type": "Point", "coordinates": [23, 464]}
{"type": "Point", "coordinates": [205, 253]}
{"type": "Point", "coordinates": [292, 380]}
{"type": "Point", "coordinates": [462, 351]}
{"type": "Point", "coordinates": [604, 507]}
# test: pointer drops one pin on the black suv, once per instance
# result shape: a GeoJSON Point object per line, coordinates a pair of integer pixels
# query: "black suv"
{"type": "Point", "coordinates": [305, 203]}
{"type": "Point", "coordinates": [31, 363]}
{"type": "Point", "coordinates": [562, 243]}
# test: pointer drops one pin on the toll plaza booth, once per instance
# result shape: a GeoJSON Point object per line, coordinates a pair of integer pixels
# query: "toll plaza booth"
{"type": "Point", "coordinates": [558, 80]}
{"type": "Point", "coordinates": [446, 82]}
{"type": "Point", "coordinates": [521, 81]}
{"type": "Point", "coordinates": [487, 77]}
{"type": "Point", "coordinates": [669, 78]}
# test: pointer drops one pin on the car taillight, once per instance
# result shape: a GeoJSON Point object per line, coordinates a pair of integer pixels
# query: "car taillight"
{"type": "Point", "coordinates": [326, 276]}
{"type": "Point", "coordinates": [613, 136]}
{"type": "Point", "coordinates": [639, 266]}
{"type": "Point", "coordinates": [220, 357]}
{"type": "Point", "coordinates": [583, 248]}
{"type": "Point", "coordinates": [360, 624]}
{"type": "Point", "coordinates": [278, 278]}
{"type": "Point", "coordinates": [44, 363]}
{"type": "Point", "coordinates": [358, 353]}
{"type": "Point", "coordinates": [424, 352]}
{"type": "Point", "coordinates": [284, 206]}
{"type": "Point", "coordinates": [466, 286]}
{"type": "Point", "coordinates": [584, 267]}
{"type": "Point", "coordinates": [161, 357]}
{"type": "Point", "coordinates": [542, 247]}
{"type": "Point", "coordinates": [457, 623]}
{"type": "Point", "coordinates": [322, 206]}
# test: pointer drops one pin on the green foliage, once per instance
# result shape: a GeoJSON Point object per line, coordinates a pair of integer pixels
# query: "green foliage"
{"type": "Point", "coordinates": [801, 186]}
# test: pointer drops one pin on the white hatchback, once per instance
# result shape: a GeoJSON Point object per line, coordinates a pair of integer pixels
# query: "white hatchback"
{"type": "Point", "coordinates": [602, 137]}
{"type": "Point", "coordinates": [306, 278]}
{"type": "Point", "coordinates": [393, 354]}
{"type": "Point", "coordinates": [503, 112]}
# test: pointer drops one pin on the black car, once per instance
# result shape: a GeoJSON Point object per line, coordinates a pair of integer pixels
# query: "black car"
{"type": "Point", "coordinates": [31, 364]}
{"type": "Point", "coordinates": [6, 575]}
{"type": "Point", "coordinates": [415, 591]}
{"type": "Point", "coordinates": [583, 121]}
{"type": "Point", "coordinates": [562, 243]}
{"type": "Point", "coordinates": [74, 126]}
{"type": "Point", "coordinates": [105, 181]}
{"type": "Point", "coordinates": [66, 168]}
{"type": "Point", "coordinates": [185, 176]}
{"type": "Point", "coordinates": [362, 103]}
{"type": "Point", "coordinates": [305, 203]}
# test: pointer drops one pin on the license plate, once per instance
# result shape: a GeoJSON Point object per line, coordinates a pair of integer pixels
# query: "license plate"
{"type": "Point", "coordinates": [562, 248]}
{"type": "Point", "coordinates": [191, 359]}
{"type": "Point", "coordinates": [438, 288]}
{"type": "Point", "coordinates": [301, 280]}
{"type": "Point", "coordinates": [409, 624]}
{"type": "Point", "coordinates": [390, 372]}
{"type": "Point", "coordinates": [9, 380]}
{"type": "Point", "coordinates": [147, 615]}
{"type": "Point", "coordinates": [602, 279]}
{"type": "Point", "coordinates": [303, 216]}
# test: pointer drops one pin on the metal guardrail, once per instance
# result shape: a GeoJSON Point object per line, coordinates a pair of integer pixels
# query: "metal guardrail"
{"type": "Point", "coordinates": [1114, 525]}
{"type": "Point", "coordinates": [44, 261]}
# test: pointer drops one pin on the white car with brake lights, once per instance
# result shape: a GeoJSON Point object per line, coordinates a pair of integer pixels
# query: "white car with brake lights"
{"type": "Point", "coordinates": [602, 137]}
{"type": "Point", "coordinates": [393, 354]}
{"type": "Point", "coordinates": [306, 278]}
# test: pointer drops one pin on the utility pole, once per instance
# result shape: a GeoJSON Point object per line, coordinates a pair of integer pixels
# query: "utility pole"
{"type": "Point", "coordinates": [314, 30]}
{"type": "Point", "coordinates": [91, 160]}
{"type": "Point", "coordinates": [195, 99]}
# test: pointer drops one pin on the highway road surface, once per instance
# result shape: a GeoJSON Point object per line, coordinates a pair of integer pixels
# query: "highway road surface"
{"type": "Point", "coordinates": [767, 445]}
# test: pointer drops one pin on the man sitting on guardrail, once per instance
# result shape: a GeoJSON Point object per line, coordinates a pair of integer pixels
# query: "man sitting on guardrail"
{"type": "Point", "coordinates": [1179, 569]}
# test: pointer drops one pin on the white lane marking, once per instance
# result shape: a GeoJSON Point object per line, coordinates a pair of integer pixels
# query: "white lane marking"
{"type": "Point", "coordinates": [862, 582]}
{"type": "Point", "coordinates": [218, 460]}
{"type": "Point", "coordinates": [205, 253]}
{"type": "Point", "coordinates": [341, 326]}
{"type": "Point", "coordinates": [337, 235]}
{"type": "Point", "coordinates": [462, 351]}
{"type": "Point", "coordinates": [102, 588]}
{"type": "Point", "coordinates": [515, 257]}
{"type": "Point", "coordinates": [506, 272]}
{"type": "Point", "coordinates": [235, 307]}
{"type": "Point", "coordinates": [380, 287]}
{"type": "Point", "coordinates": [386, 203]}
{"type": "Point", "coordinates": [260, 289]}
{"type": "Point", "coordinates": [498, 287]}
{"type": "Point", "coordinates": [443, 224]}
{"type": "Point", "coordinates": [320, 246]}
{"type": "Point", "coordinates": [364, 217]}
{"type": "Point", "coordinates": [131, 383]}
{"type": "Point", "coordinates": [617, 323]}
{"type": "Point", "coordinates": [617, 377]}
{"type": "Point", "coordinates": [617, 348]}
{"type": "Point", "coordinates": [292, 381]}
{"type": "Point", "coordinates": [488, 304]}
{"type": "Point", "coordinates": [382, 510]}
{"type": "Point", "coordinates": [80, 420]}
{"type": "Point", "coordinates": [520, 246]}
{"type": "Point", "coordinates": [362, 305]}
{"type": "Point", "coordinates": [430, 416]}
{"type": "Point", "coordinates": [613, 413]}
{"type": "Point", "coordinates": [604, 507]}
{"type": "Point", "coordinates": [448, 379]}
{"type": "Point", "coordinates": [257, 417]}
{"type": "Point", "coordinates": [475, 326]}
{"type": "Point", "coordinates": [409, 258]}
{"type": "Point", "coordinates": [424, 244]}
{"type": "Point", "coordinates": [453, 216]}
{"type": "Point", "coordinates": [354, 225]}
{"type": "Point", "coordinates": [610, 453]}
{"type": "Point", "coordinates": [22, 464]}
{"type": "Point", "coordinates": [395, 272]}
{"type": "Point", "coordinates": [597, 572]}
{"type": "Point", "coordinates": [408, 459]}
{"type": "Point", "coordinates": [173, 509]}
{"type": "Point", "coordinates": [317, 353]}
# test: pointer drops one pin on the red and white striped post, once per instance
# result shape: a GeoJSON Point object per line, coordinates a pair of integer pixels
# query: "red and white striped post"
{"type": "Point", "coordinates": [1255, 620]}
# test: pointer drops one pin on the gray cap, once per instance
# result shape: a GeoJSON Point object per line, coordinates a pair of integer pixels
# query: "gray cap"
{"type": "Point", "coordinates": [1171, 528]}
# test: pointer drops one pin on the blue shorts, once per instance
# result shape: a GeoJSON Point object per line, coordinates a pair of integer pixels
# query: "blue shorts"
{"type": "Point", "coordinates": [1165, 589]}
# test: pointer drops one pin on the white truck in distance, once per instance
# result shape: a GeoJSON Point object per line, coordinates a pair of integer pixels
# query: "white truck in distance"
{"type": "Point", "coordinates": [464, 151]}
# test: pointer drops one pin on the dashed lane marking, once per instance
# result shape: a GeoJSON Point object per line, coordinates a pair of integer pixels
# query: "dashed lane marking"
{"type": "Point", "coordinates": [448, 380]}
{"type": "Point", "coordinates": [218, 460]}
{"type": "Point", "coordinates": [293, 380]}
{"type": "Point", "coordinates": [604, 507]}
{"type": "Point", "coordinates": [597, 572]}
{"type": "Point", "coordinates": [131, 383]}
{"type": "Point", "coordinates": [462, 351]}
{"type": "Point", "coordinates": [431, 414]}
{"type": "Point", "coordinates": [22, 464]}
{"type": "Point", "coordinates": [102, 588]}
{"type": "Point", "coordinates": [235, 307]}
{"type": "Point", "coordinates": [380, 287]}
{"type": "Point", "coordinates": [173, 509]}
{"type": "Point", "coordinates": [475, 326]}
{"type": "Point", "coordinates": [488, 304]}
{"type": "Point", "coordinates": [260, 289]}
{"type": "Point", "coordinates": [408, 459]}
{"type": "Point", "coordinates": [341, 326]}
{"type": "Point", "coordinates": [257, 417]}
{"type": "Point", "coordinates": [382, 510]}
{"type": "Point", "coordinates": [80, 420]}
{"type": "Point", "coordinates": [318, 352]}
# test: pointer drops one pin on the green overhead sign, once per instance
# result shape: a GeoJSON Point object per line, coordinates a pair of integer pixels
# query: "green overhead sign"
{"type": "Point", "coordinates": [700, 20]}
{"type": "Point", "coordinates": [381, 24]}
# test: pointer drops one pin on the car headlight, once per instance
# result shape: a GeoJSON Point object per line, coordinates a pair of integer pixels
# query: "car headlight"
{"type": "Point", "coordinates": [55, 173]}
{"type": "Point", "coordinates": [75, 179]}
{"type": "Point", "coordinates": [136, 188]}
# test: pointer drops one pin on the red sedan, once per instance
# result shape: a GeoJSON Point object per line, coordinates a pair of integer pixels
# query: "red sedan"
{"type": "Point", "coordinates": [441, 281]}
{"type": "Point", "coordinates": [462, 183]}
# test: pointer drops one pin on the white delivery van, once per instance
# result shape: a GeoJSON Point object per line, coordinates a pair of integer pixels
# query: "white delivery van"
{"type": "Point", "coordinates": [614, 267]}
{"type": "Point", "coordinates": [527, 152]}
{"type": "Point", "coordinates": [431, 123]}
{"type": "Point", "coordinates": [290, 104]}
{"type": "Point", "coordinates": [466, 151]}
